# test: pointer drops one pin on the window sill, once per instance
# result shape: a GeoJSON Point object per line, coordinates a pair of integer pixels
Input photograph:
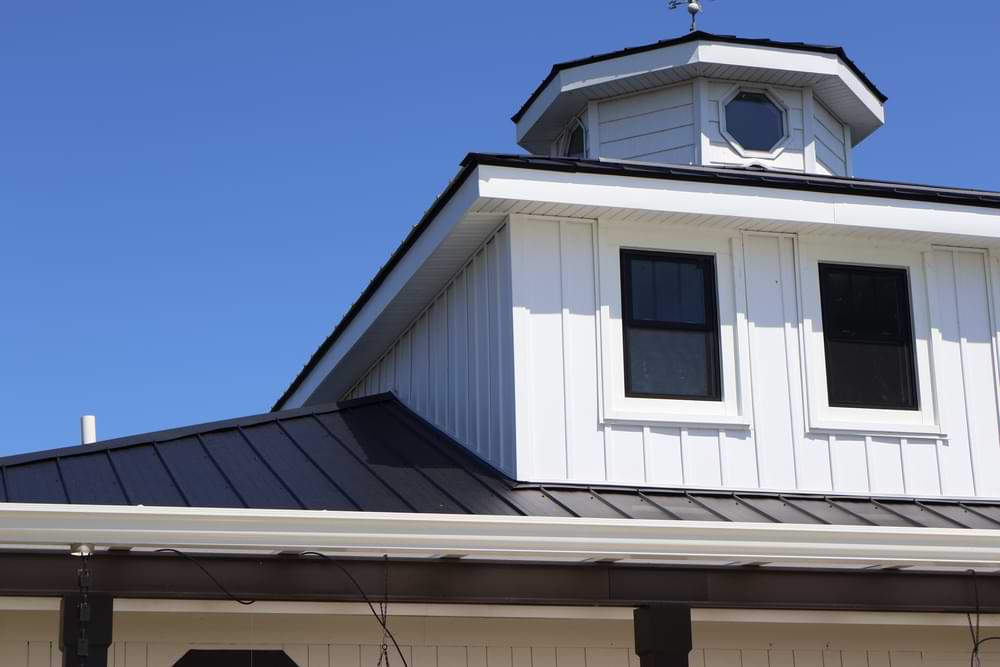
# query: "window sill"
{"type": "Point", "coordinates": [930, 431]}
{"type": "Point", "coordinates": [723, 422]}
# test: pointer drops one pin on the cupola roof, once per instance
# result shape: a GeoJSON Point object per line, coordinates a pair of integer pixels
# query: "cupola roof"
{"type": "Point", "coordinates": [836, 81]}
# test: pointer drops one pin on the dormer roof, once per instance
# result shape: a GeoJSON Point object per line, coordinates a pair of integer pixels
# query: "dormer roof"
{"type": "Point", "coordinates": [837, 82]}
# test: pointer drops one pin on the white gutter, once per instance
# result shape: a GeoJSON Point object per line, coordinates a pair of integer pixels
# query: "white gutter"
{"type": "Point", "coordinates": [356, 533]}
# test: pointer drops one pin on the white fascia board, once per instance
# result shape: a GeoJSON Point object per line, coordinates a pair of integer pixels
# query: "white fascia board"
{"type": "Point", "coordinates": [439, 229]}
{"type": "Point", "coordinates": [739, 201]}
{"type": "Point", "coordinates": [495, 537]}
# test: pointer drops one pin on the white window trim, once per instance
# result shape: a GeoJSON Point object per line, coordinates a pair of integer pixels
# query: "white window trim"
{"type": "Point", "coordinates": [734, 411]}
{"type": "Point", "coordinates": [562, 143]}
{"type": "Point", "coordinates": [820, 416]}
{"type": "Point", "coordinates": [772, 95]}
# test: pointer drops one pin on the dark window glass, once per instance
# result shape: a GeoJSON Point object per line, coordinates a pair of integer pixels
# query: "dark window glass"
{"type": "Point", "coordinates": [670, 325]}
{"type": "Point", "coordinates": [868, 335]}
{"type": "Point", "coordinates": [577, 146]}
{"type": "Point", "coordinates": [234, 658]}
{"type": "Point", "coordinates": [755, 121]}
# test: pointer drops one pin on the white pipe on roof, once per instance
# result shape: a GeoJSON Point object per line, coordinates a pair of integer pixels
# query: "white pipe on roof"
{"type": "Point", "coordinates": [88, 429]}
{"type": "Point", "coordinates": [499, 537]}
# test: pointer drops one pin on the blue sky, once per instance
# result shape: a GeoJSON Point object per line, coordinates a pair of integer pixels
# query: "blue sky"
{"type": "Point", "coordinates": [193, 193]}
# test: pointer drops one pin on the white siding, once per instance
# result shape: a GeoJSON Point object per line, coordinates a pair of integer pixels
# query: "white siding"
{"type": "Point", "coordinates": [453, 365]}
{"type": "Point", "coordinates": [655, 126]}
{"type": "Point", "coordinates": [831, 150]}
{"type": "Point", "coordinates": [148, 639]}
{"type": "Point", "coordinates": [564, 432]}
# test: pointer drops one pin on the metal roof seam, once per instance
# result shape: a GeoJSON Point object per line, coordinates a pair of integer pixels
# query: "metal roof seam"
{"type": "Point", "coordinates": [365, 465]}
{"type": "Point", "coordinates": [118, 477]}
{"type": "Point", "coordinates": [229, 482]}
{"type": "Point", "coordinates": [662, 508]}
{"type": "Point", "coordinates": [941, 514]}
{"type": "Point", "coordinates": [610, 504]}
{"type": "Point", "coordinates": [815, 516]}
{"type": "Point", "coordinates": [969, 508]}
{"type": "Point", "coordinates": [270, 468]}
{"type": "Point", "coordinates": [849, 511]}
{"type": "Point", "coordinates": [754, 508]}
{"type": "Point", "coordinates": [897, 513]}
{"type": "Point", "coordinates": [399, 452]}
{"type": "Point", "coordinates": [62, 480]}
{"type": "Point", "coordinates": [449, 455]}
{"type": "Point", "coordinates": [170, 473]}
{"type": "Point", "coordinates": [316, 465]}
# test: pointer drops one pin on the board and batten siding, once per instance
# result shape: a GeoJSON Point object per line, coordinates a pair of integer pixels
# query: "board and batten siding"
{"type": "Point", "coordinates": [564, 432]}
{"type": "Point", "coordinates": [656, 126]}
{"type": "Point", "coordinates": [149, 639]}
{"type": "Point", "coordinates": [452, 365]}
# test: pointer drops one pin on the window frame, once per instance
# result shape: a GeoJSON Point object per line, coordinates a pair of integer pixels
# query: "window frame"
{"type": "Point", "coordinates": [905, 339]}
{"type": "Point", "coordinates": [711, 325]}
{"type": "Point", "coordinates": [926, 420]}
{"type": "Point", "coordinates": [567, 139]}
{"type": "Point", "coordinates": [735, 411]}
{"type": "Point", "coordinates": [775, 98]}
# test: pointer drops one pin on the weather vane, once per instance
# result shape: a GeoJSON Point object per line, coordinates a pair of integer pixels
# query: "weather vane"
{"type": "Point", "coordinates": [694, 8]}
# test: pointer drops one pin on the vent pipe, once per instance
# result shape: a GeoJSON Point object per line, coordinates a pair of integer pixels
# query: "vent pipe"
{"type": "Point", "coordinates": [88, 430]}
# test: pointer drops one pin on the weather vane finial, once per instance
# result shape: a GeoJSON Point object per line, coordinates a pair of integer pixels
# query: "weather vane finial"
{"type": "Point", "coordinates": [694, 8]}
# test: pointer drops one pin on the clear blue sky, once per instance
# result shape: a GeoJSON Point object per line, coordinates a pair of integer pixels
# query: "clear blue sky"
{"type": "Point", "coordinates": [193, 193]}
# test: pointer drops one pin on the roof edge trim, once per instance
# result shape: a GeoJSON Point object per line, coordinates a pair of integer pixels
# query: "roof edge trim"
{"type": "Point", "coordinates": [693, 37]}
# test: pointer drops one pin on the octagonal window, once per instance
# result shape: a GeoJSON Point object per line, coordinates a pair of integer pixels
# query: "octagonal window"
{"type": "Point", "coordinates": [755, 121]}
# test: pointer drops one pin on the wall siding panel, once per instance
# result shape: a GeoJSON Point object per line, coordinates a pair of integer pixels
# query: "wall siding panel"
{"type": "Point", "coordinates": [656, 126]}
{"type": "Point", "coordinates": [452, 366]}
{"type": "Point", "coordinates": [533, 290]}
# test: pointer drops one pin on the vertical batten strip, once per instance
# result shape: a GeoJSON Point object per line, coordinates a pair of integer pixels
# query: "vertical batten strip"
{"type": "Point", "coordinates": [809, 131]}
{"type": "Point", "coordinates": [567, 379]}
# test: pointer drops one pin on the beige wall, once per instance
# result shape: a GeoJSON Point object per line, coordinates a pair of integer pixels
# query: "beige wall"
{"type": "Point", "coordinates": [30, 638]}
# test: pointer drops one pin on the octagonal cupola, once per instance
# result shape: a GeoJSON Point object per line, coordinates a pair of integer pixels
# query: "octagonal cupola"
{"type": "Point", "coordinates": [709, 100]}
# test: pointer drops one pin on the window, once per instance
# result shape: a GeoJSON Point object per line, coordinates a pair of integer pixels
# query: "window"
{"type": "Point", "coordinates": [235, 658]}
{"type": "Point", "coordinates": [576, 143]}
{"type": "Point", "coordinates": [755, 121]}
{"type": "Point", "coordinates": [868, 337]}
{"type": "Point", "coordinates": [671, 326]}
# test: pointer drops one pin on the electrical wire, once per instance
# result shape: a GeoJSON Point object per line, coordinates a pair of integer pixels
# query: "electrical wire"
{"type": "Point", "coordinates": [381, 620]}
{"type": "Point", "coordinates": [974, 629]}
{"type": "Point", "coordinates": [208, 574]}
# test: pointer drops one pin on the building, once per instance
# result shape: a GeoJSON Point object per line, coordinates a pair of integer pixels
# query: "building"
{"type": "Point", "coordinates": [672, 388]}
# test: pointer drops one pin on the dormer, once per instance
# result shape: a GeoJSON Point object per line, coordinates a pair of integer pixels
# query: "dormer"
{"type": "Point", "coordinates": [629, 320]}
{"type": "Point", "coordinates": [709, 100]}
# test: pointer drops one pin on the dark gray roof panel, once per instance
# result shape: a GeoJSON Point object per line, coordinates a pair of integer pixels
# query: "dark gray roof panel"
{"type": "Point", "coordinates": [374, 454]}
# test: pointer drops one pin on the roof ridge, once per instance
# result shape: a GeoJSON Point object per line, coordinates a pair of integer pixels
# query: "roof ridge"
{"type": "Point", "coordinates": [179, 432]}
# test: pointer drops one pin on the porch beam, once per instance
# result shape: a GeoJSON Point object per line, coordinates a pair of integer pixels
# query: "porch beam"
{"type": "Point", "coordinates": [296, 578]}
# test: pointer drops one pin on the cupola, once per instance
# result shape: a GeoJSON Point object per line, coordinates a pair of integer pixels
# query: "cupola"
{"type": "Point", "coordinates": [710, 100]}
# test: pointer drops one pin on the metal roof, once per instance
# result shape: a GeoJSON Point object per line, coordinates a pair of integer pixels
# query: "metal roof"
{"type": "Point", "coordinates": [721, 175]}
{"type": "Point", "coordinates": [374, 454]}
{"type": "Point", "coordinates": [693, 37]}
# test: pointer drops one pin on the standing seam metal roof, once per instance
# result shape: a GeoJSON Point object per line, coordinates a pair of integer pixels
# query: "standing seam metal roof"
{"type": "Point", "coordinates": [374, 454]}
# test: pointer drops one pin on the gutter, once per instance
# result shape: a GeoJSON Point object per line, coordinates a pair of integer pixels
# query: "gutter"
{"type": "Point", "coordinates": [493, 537]}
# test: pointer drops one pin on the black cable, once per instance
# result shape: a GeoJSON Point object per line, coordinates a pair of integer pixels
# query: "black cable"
{"type": "Point", "coordinates": [347, 573]}
{"type": "Point", "coordinates": [977, 642]}
{"type": "Point", "coordinates": [208, 574]}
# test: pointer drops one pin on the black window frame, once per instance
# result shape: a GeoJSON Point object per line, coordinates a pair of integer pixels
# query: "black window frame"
{"type": "Point", "coordinates": [904, 339]}
{"type": "Point", "coordinates": [711, 325]}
